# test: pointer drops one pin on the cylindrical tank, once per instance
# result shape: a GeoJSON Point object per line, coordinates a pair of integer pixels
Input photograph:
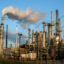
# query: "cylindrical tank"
{"type": "Point", "coordinates": [32, 56]}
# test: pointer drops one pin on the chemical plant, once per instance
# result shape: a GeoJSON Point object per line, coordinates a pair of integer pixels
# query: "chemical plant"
{"type": "Point", "coordinates": [43, 47]}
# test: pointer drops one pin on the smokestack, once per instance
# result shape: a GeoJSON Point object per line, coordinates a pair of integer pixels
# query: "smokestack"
{"type": "Point", "coordinates": [57, 24]}
{"type": "Point", "coordinates": [2, 20]}
{"type": "Point", "coordinates": [6, 35]}
{"type": "Point", "coordinates": [51, 25]}
{"type": "Point", "coordinates": [16, 37]}
{"type": "Point", "coordinates": [28, 36]}
{"type": "Point", "coordinates": [59, 30]}
{"type": "Point", "coordinates": [33, 36]}
{"type": "Point", "coordinates": [2, 34]}
{"type": "Point", "coordinates": [43, 35]}
{"type": "Point", "coordinates": [56, 16]}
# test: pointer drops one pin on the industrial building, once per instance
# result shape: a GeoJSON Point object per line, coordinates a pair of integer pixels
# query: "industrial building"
{"type": "Point", "coordinates": [42, 46]}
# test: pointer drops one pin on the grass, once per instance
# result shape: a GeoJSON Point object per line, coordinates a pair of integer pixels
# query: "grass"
{"type": "Point", "coordinates": [7, 61]}
{"type": "Point", "coordinates": [4, 61]}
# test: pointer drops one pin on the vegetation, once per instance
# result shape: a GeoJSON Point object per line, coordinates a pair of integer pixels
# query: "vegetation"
{"type": "Point", "coordinates": [5, 61]}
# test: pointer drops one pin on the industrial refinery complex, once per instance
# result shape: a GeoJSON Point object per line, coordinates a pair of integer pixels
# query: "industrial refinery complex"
{"type": "Point", "coordinates": [42, 47]}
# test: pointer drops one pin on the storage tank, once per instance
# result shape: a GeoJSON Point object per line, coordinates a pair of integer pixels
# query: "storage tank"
{"type": "Point", "coordinates": [32, 56]}
{"type": "Point", "coordinates": [24, 56]}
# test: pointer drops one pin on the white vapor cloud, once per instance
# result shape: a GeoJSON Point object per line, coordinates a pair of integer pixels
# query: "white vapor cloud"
{"type": "Point", "coordinates": [24, 16]}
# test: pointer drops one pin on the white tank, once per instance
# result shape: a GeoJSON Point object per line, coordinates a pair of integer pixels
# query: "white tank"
{"type": "Point", "coordinates": [24, 56]}
{"type": "Point", "coordinates": [32, 56]}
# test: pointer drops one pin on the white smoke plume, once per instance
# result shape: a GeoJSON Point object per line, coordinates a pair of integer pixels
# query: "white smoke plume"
{"type": "Point", "coordinates": [23, 16]}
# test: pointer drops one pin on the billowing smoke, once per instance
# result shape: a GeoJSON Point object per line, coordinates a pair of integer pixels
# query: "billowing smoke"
{"type": "Point", "coordinates": [26, 16]}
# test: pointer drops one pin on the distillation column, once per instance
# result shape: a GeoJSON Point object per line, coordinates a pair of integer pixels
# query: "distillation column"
{"type": "Point", "coordinates": [43, 35]}
{"type": "Point", "coordinates": [51, 25]}
{"type": "Point", "coordinates": [59, 30]}
{"type": "Point", "coordinates": [57, 23]}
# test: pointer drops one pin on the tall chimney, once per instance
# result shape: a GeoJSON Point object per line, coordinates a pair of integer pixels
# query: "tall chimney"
{"type": "Point", "coordinates": [28, 36]}
{"type": "Point", "coordinates": [56, 16]}
{"type": "Point", "coordinates": [2, 36]}
{"type": "Point", "coordinates": [59, 30]}
{"type": "Point", "coordinates": [43, 35]}
{"type": "Point", "coordinates": [2, 20]}
{"type": "Point", "coordinates": [16, 37]}
{"type": "Point", "coordinates": [6, 35]}
{"type": "Point", "coordinates": [51, 25]}
{"type": "Point", "coordinates": [57, 23]}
